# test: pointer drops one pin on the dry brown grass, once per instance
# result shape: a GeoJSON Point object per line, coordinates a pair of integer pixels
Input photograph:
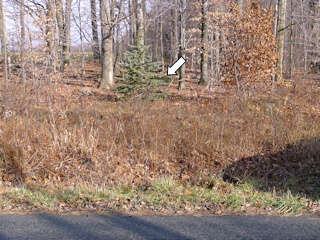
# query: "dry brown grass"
{"type": "Point", "coordinates": [62, 135]}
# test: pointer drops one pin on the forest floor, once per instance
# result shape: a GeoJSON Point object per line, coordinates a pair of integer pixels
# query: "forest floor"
{"type": "Point", "coordinates": [68, 146]}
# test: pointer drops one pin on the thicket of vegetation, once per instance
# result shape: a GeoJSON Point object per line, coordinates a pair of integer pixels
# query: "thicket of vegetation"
{"type": "Point", "coordinates": [55, 139]}
{"type": "Point", "coordinates": [89, 118]}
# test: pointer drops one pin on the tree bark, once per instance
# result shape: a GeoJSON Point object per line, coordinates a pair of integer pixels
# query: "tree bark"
{"type": "Point", "coordinates": [182, 52]}
{"type": "Point", "coordinates": [94, 26]}
{"type": "Point", "coordinates": [49, 35]}
{"type": "Point", "coordinates": [282, 8]}
{"type": "Point", "coordinates": [161, 42]}
{"type": "Point", "coordinates": [3, 36]}
{"type": "Point", "coordinates": [67, 32]}
{"type": "Point", "coordinates": [132, 21]}
{"type": "Point", "coordinates": [2, 29]}
{"type": "Point", "coordinates": [140, 23]}
{"type": "Point", "coordinates": [241, 5]}
{"type": "Point", "coordinates": [174, 32]}
{"type": "Point", "coordinates": [64, 29]}
{"type": "Point", "coordinates": [22, 46]}
{"type": "Point", "coordinates": [83, 72]}
{"type": "Point", "coordinates": [106, 45]}
{"type": "Point", "coordinates": [204, 43]}
{"type": "Point", "coordinates": [292, 42]}
{"type": "Point", "coordinates": [60, 23]}
{"type": "Point", "coordinates": [217, 53]}
{"type": "Point", "coordinates": [118, 37]}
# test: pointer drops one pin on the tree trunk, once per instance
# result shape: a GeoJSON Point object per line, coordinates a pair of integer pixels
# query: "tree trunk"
{"type": "Point", "coordinates": [64, 21]}
{"type": "Point", "coordinates": [83, 72]}
{"type": "Point", "coordinates": [241, 5]}
{"type": "Point", "coordinates": [2, 29]}
{"type": "Point", "coordinates": [217, 53]}
{"type": "Point", "coordinates": [132, 21]}
{"type": "Point", "coordinates": [94, 25]}
{"type": "Point", "coordinates": [140, 23]}
{"type": "Point", "coordinates": [305, 37]}
{"type": "Point", "coordinates": [22, 45]}
{"type": "Point", "coordinates": [182, 52]}
{"type": "Point", "coordinates": [118, 37]}
{"type": "Point", "coordinates": [67, 33]}
{"type": "Point", "coordinates": [155, 43]}
{"type": "Point", "coordinates": [204, 44]}
{"type": "Point", "coordinates": [176, 31]}
{"type": "Point", "coordinates": [3, 36]}
{"type": "Point", "coordinates": [161, 43]}
{"type": "Point", "coordinates": [32, 60]}
{"type": "Point", "coordinates": [60, 23]}
{"type": "Point", "coordinates": [292, 40]}
{"type": "Point", "coordinates": [106, 45]}
{"type": "Point", "coordinates": [282, 8]}
{"type": "Point", "coordinates": [49, 35]}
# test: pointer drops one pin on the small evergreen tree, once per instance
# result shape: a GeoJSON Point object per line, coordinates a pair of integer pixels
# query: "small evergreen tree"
{"type": "Point", "coordinates": [140, 74]}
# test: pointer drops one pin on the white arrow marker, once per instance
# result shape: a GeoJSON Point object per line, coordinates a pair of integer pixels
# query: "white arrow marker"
{"type": "Point", "coordinates": [178, 64]}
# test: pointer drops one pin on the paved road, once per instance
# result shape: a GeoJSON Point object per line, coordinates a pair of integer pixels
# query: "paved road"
{"type": "Point", "coordinates": [157, 227]}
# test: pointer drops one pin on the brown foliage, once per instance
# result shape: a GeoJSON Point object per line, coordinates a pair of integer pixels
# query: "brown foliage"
{"type": "Point", "coordinates": [61, 136]}
{"type": "Point", "coordinates": [250, 48]}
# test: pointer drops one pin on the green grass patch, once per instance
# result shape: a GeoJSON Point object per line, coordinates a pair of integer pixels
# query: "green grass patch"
{"type": "Point", "coordinates": [164, 194]}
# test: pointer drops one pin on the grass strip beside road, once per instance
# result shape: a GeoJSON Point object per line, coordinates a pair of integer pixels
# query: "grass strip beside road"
{"type": "Point", "coordinates": [165, 196]}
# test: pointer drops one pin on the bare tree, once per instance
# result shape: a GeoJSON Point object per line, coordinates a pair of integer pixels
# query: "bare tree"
{"type": "Point", "coordinates": [79, 24]}
{"type": "Point", "coordinates": [94, 25]}
{"type": "Point", "coordinates": [140, 23]}
{"type": "Point", "coordinates": [67, 32]}
{"type": "Point", "coordinates": [60, 22]}
{"type": "Point", "coordinates": [22, 44]}
{"type": "Point", "coordinates": [204, 42]}
{"type": "Point", "coordinates": [161, 41]}
{"type": "Point", "coordinates": [282, 8]}
{"type": "Point", "coordinates": [3, 36]}
{"type": "Point", "coordinates": [292, 41]}
{"type": "Point", "coordinates": [107, 79]}
{"type": "Point", "coordinates": [132, 21]}
{"type": "Point", "coordinates": [195, 30]}
{"type": "Point", "coordinates": [182, 52]}
{"type": "Point", "coordinates": [49, 35]}
{"type": "Point", "coordinates": [241, 5]}
{"type": "Point", "coordinates": [63, 15]}
{"type": "Point", "coordinates": [117, 47]}
{"type": "Point", "coordinates": [216, 53]}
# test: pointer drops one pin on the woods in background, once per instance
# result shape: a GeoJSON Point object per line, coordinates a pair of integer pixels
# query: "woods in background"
{"type": "Point", "coordinates": [232, 42]}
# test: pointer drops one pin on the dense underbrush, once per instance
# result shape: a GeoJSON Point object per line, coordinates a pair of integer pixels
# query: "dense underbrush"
{"type": "Point", "coordinates": [54, 137]}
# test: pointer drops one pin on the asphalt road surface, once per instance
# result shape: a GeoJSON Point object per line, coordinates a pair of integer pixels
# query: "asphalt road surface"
{"type": "Point", "coordinates": [157, 227]}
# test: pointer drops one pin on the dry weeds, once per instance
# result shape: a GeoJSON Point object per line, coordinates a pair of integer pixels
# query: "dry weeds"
{"type": "Point", "coordinates": [68, 136]}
